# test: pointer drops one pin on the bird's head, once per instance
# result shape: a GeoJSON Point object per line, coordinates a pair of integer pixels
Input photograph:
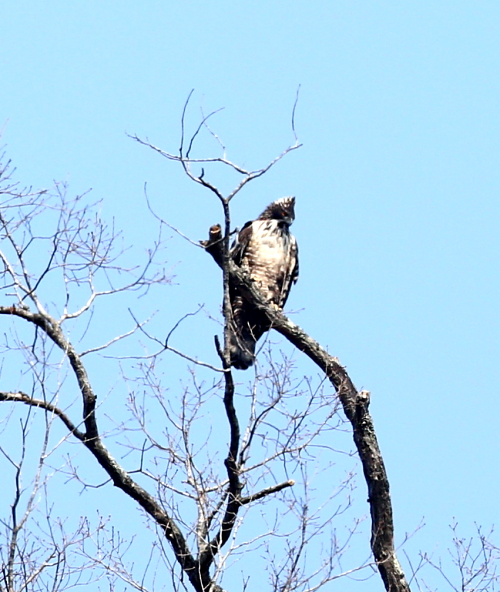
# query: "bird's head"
{"type": "Point", "coordinates": [282, 209]}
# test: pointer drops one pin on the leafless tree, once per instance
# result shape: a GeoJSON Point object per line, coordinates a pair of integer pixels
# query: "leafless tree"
{"type": "Point", "coordinates": [214, 497]}
{"type": "Point", "coordinates": [470, 564]}
{"type": "Point", "coordinates": [38, 549]}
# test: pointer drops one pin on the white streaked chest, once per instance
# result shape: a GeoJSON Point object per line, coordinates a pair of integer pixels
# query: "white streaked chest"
{"type": "Point", "coordinates": [269, 249]}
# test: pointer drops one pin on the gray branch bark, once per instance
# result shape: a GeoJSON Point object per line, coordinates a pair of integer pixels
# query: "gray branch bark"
{"type": "Point", "coordinates": [355, 405]}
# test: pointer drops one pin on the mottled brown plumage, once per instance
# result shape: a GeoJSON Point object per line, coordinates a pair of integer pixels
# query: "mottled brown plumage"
{"type": "Point", "coordinates": [267, 250]}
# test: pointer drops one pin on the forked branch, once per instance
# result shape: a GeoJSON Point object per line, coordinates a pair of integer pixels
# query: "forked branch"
{"type": "Point", "coordinates": [184, 156]}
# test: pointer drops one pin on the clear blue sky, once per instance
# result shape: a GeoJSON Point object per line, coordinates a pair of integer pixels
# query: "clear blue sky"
{"type": "Point", "coordinates": [397, 186]}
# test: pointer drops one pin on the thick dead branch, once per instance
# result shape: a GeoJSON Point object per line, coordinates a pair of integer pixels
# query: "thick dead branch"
{"type": "Point", "coordinates": [355, 405]}
{"type": "Point", "coordinates": [214, 244]}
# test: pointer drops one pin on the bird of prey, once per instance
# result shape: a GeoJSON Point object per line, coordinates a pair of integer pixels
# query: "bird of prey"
{"type": "Point", "coordinates": [267, 250]}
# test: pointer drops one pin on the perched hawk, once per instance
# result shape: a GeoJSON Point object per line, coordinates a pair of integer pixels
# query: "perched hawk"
{"type": "Point", "coordinates": [267, 250]}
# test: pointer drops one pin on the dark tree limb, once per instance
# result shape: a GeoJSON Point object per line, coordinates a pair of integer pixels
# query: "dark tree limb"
{"type": "Point", "coordinates": [355, 405]}
{"type": "Point", "coordinates": [20, 397]}
{"type": "Point", "coordinates": [267, 491]}
{"type": "Point", "coordinates": [233, 472]}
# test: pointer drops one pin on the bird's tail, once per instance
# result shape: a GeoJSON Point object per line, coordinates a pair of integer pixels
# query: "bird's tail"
{"type": "Point", "coordinates": [242, 349]}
